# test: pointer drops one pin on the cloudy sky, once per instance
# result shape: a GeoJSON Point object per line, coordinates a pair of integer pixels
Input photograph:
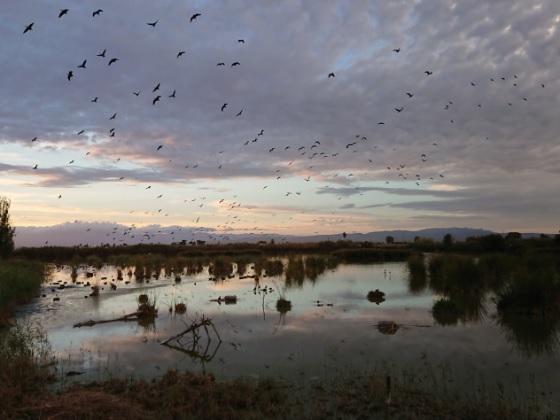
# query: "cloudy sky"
{"type": "Point", "coordinates": [440, 113]}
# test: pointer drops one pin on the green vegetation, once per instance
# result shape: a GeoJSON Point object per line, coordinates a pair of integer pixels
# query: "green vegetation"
{"type": "Point", "coordinates": [6, 230]}
{"type": "Point", "coordinates": [417, 276]}
{"type": "Point", "coordinates": [19, 281]}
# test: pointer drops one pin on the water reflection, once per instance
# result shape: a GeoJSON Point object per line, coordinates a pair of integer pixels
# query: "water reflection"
{"type": "Point", "coordinates": [532, 336]}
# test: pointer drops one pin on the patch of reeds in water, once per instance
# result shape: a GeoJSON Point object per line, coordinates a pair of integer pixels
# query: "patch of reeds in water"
{"type": "Point", "coordinates": [417, 276]}
{"type": "Point", "coordinates": [19, 281]}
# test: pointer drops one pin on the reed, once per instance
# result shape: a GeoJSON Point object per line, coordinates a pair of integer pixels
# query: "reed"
{"type": "Point", "coordinates": [19, 281]}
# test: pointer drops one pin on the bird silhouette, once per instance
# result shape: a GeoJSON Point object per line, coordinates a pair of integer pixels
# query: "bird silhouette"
{"type": "Point", "coordinates": [80, 132]}
{"type": "Point", "coordinates": [235, 64]}
{"type": "Point", "coordinates": [180, 53]}
{"type": "Point", "coordinates": [157, 98]}
{"type": "Point", "coordinates": [103, 53]}
{"type": "Point", "coordinates": [172, 95]}
{"type": "Point", "coordinates": [70, 75]}
{"type": "Point", "coordinates": [239, 113]}
{"type": "Point", "coordinates": [221, 64]}
{"type": "Point", "coordinates": [331, 75]}
{"type": "Point", "coordinates": [224, 107]}
{"type": "Point", "coordinates": [136, 93]}
{"type": "Point", "coordinates": [156, 88]}
{"type": "Point", "coordinates": [97, 12]}
{"type": "Point", "coordinates": [193, 17]}
{"type": "Point", "coordinates": [94, 99]}
{"type": "Point", "coordinates": [62, 13]}
{"type": "Point", "coordinates": [410, 95]}
{"type": "Point", "coordinates": [112, 60]}
{"type": "Point", "coordinates": [34, 139]}
{"type": "Point", "coordinates": [241, 41]}
{"type": "Point", "coordinates": [399, 110]}
{"type": "Point", "coordinates": [397, 50]}
{"type": "Point", "coordinates": [35, 167]}
{"type": "Point", "coordinates": [159, 147]}
{"type": "Point", "coordinates": [114, 116]}
{"type": "Point", "coordinates": [83, 65]}
{"type": "Point", "coordinates": [152, 24]}
{"type": "Point", "coordinates": [29, 27]}
{"type": "Point", "coordinates": [428, 72]}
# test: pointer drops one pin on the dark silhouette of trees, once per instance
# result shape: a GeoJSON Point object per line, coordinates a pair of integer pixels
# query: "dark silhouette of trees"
{"type": "Point", "coordinates": [6, 229]}
{"type": "Point", "coordinates": [448, 240]}
{"type": "Point", "coordinates": [389, 239]}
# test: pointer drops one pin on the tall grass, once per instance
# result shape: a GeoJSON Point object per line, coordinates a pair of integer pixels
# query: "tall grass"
{"type": "Point", "coordinates": [19, 281]}
{"type": "Point", "coordinates": [25, 354]}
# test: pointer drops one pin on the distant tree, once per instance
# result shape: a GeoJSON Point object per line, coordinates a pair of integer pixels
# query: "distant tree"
{"type": "Point", "coordinates": [513, 235]}
{"type": "Point", "coordinates": [6, 230]}
{"type": "Point", "coordinates": [389, 239]}
{"type": "Point", "coordinates": [344, 235]}
{"type": "Point", "coordinates": [448, 240]}
{"type": "Point", "coordinates": [493, 243]}
{"type": "Point", "coordinates": [272, 241]}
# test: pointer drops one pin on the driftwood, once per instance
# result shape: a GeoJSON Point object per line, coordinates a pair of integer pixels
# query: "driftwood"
{"type": "Point", "coordinates": [204, 322]}
{"type": "Point", "coordinates": [194, 347]}
{"type": "Point", "coordinates": [129, 317]}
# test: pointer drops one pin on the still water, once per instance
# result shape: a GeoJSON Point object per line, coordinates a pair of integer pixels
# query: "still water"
{"type": "Point", "coordinates": [330, 329]}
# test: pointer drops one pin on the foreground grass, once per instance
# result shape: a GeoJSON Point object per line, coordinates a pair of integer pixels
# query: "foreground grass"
{"type": "Point", "coordinates": [19, 281]}
{"type": "Point", "coordinates": [190, 396]}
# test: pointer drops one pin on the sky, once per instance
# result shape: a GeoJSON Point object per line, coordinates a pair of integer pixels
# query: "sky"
{"type": "Point", "coordinates": [341, 116]}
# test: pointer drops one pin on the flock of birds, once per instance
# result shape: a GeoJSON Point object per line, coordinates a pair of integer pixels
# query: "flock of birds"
{"type": "Point", "coordinates": [305, 157]}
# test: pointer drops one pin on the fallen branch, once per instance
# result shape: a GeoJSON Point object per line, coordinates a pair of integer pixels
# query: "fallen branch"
{"type": "Point", "coordinates": [91, 322]}
{"type": "Point", "coordinates": [204, 322]}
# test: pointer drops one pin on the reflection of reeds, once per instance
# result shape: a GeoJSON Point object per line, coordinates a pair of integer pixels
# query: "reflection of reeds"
{"type": "Point", "coordinates": [532, 336]}
{"type": "Point", "coordinates": [221, 266]}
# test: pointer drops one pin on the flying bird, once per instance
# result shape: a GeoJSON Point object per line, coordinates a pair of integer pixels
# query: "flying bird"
{"type": "Point", "coordinates": [410, 95]}
{"type": "Point", "coordinates": [180, 53]}
{"type": "Point", "coordinates": [152, 24]}
{"type": "Point", "coordinates": [397, 50]}
{"type": "Point", "coordinates": [193, 17]}
{"type": "Point", "coordinates": [103, 53]}
{"type": "Point", "coordinates": [114, 116]}
{"type": "Point", "coordinates": [35, 167]}
{"type": "Point", "coordinates": [172, 95]}
{"type": "Point", "coordinates": [399, 110]}
{"type": "Point", "coordinates": [221, 64]}
{"type": "Point", "coordinates": [34, 139]}
{"type": "Point", "coordinates": [94, 99]}
{"type": "Point", "coordinates": [136, 93]}
{"type": "Point", "coordinates": [28, 27]}
{"type": "Point", "coordinates": [156, 88]}
{"type": "Point", "coordinates": [69, 75]}
{"type": "Point", "coordinates": [97, 12]}
{"type": "Point", "coordinates": [80, 132]}
{"type": "Point", "coordinates": [331, 75]}
{"type": "Point", "coordinates": [241, 41]}
{"type": "Point", "coordinates": [62, 13]}
{"type": "Point", "coordinates": [235, 64]}
{"type": "Point", "coordinates": [239, 113]}
{"type": "Point", "coordinates": [112, 60]}
{"type": "Point", "coordinates": [261, 133]}
{"type": "Point", "coordinates": [224, 107]}
{"type": "Point", "coordinates": [157, 98]}
{"type": "Point", "coordinates": [428, 72]}
{"type": "Point", "coordinates": [159, 147]}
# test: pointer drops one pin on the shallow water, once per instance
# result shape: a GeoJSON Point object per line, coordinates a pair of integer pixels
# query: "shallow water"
{"type": "Point", "coordinates": [330, 330]}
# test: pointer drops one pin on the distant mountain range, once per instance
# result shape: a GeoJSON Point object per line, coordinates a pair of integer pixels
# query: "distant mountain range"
{"type": "Point", "coordinates": [97, 233]}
